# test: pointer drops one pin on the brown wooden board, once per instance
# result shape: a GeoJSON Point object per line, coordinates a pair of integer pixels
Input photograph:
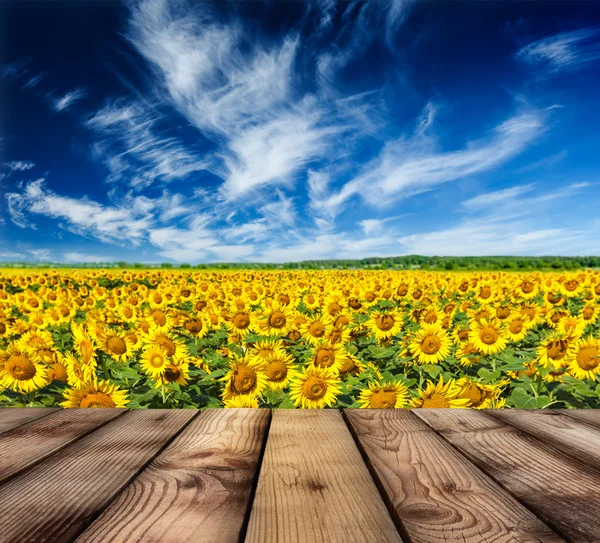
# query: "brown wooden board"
{"type": "Point", "coordinates": [435, 493]}
{"type": "Point", "coordinates": [314, 485]}
{"type": "Point", "coordinates": [64, 493]}
{"type": "Point", "coordinates": [572, 436]}
{"type": "Point", "coordinates": [563, 492]}
{"type": "Point", "coordinates": [591, 416]}
{"type": "Point", "coordinates": [11, 417]}
{"type": "Point", "coordinates": [30, 443]}
{"type": "Point", "coordinates": [197, 490]}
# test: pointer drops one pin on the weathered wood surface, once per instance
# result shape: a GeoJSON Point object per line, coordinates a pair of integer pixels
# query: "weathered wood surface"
{"type": "Point", "coordinates": [64, 493]}
{"type": "Point", "coordinates": [572, 436]}
{"type": "Point", "coordinates": [435, 493]}
{"type": "Point", "coordinates": [197, 490]}
{"type": "Point", "coordinates": [591, 416]}
{"type": "Point", "coordinates": [563, 492]}
{"type": "Point", "coordinates": [314, 485]}
{"type": "Point", "coordinates": [11, 417]}
{"type": "Point", "coordinates": [29, 443]}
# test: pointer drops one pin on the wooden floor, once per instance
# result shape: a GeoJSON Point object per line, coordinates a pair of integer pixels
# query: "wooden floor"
{"type": "Point", "coordinates": [228, 475]}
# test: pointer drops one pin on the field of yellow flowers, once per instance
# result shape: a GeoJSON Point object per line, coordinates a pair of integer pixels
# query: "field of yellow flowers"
{"type": "Point", "coordinates": [145, 338]}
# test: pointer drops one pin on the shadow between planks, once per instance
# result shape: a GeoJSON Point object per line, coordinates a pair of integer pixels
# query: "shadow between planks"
{"type": "Point", "coordinates": [229, 475]}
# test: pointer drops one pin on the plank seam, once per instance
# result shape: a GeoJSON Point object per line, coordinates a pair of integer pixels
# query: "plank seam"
{"type": "Point", "coordinates": [404, 535]}
{"type": "Point", "coordinates": [473, 460]}
{"type": "Point", "coordinates": [29, 421]}
{"type": "Point", "coordinates": [259, 463]}
{"type": "Point", "coordinates": [92, 518]}
{"type": "Point", "coordinates": [587, 463]}
{"type": "Point", "coordinates": [60, 448]}
{"type": "Point", "coordinates": [594, 425]}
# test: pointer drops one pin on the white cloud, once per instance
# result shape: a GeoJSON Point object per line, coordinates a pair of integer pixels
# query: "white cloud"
{"type": "Point", "coordinates": [85, 258]}
{"type": "Point", "coordinates": [33, 81]}
{"type": "Point", "coordinates": [68, 100]}
{"type": "Point", "coordinates": [405, 168]}
{"type": "Point", "coordinates": [488, 200]}
{"type": "Point", "coordinates": [11, 255]}
{"type": "Point", "coordinates": [40, 254]}
{"type": "Point", "coordinates": [19, 165]}
{"type": "Point", "coordinates": [565, 50]}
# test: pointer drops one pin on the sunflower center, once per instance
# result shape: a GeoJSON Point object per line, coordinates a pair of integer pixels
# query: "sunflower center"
{"type": "Point", "coordinates": [276, 371]}
{"type": "Point", "coordinates": [167, 344]}
{"type": "Point", "coordinates": [194, 326]}
{"type": "Point", "coordinates": [557, 349]}
{"type": "Point", "coordinates": [474, 394]}
{"type": "Point", "coordinates": [385, 322]}
{"type": "Point", "coordinates": [172, 373]}
{"type": "Point", "coordinates": [402, 290]}
{"type": "Point", "coordinates": [244, 380]}
{"type": "Point", "coordinates": [156, 361]}
{"type": "Point", "coordinates": [383, 399]}
{"type": "Point", "coordinates": [503, 312]}
{"type": "Point", "coordinates": [527, 287]}
{"type": "Point", "coordinates": [597, 289]}
{"type": "Point", "coordinates": [354, 303]}
{"type": "Point", "coordinates": [588, 358]}
{"type": "Point", "coordinates": [325, 357]}
{"type": "Point", "coordinates": [431, 344]}
{"type": "Point", "coordinates": [128, 312]}
{"type": "Point", "coordinates": [436, 400]}
{"type": "Point", "coordinates": [294, 335]}
{"type": "Point", "coordinates": [334, 308]}
{"type": "Point", "coordinates": [20, 367]}
{"type": "Point", "coordinates": [516, 326]}
{"type": "Point", "coordinates": [417, 294]}
{"type": "Point", "coordinates": [159, 317]}
{"type": "Point", "coordinates": [2, 328]}
{"type": "Point", "coordinates": [34, 303]}
{"type": "Point", "coordinates": [554, 298]}
{"type": "Point", "coordinates": [316, 329]}
{"type": "Point", "coordinates": [571, 285]}
{"type": "Point", "coordinates": [463, 335]}
{"type": "Point", "coordinates": [116, 345]}
{"type": "Point", "coordinates": [341, 321]}
{"type": "Point", "coordinates": [96, 399]}
{"type": "Point", "coordinates": [588, 313]}
{"type": "Point", "coordinates": [488, 335]}
{"type": "Point", "coordinates": [277, 320]}
{"type": "Point", "coordinates": [485, 293]}
{"type": "Point", "coordinates": [241, 320]}
{"type": "Point", "coordinates": [314, 388]}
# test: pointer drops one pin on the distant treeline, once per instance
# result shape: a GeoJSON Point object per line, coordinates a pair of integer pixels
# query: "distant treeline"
{"type": "Point", "coordinates": [409, 262]}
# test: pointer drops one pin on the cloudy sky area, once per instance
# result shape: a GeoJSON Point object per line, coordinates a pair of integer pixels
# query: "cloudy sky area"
{"type": "Point", "coordinates": [283, 131]}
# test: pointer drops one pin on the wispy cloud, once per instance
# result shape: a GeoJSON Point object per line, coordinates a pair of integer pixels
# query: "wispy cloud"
{"type": "Point", "coordinates": [85, 258]}
{"type": "Point", "coordinates": [68, 100]}
{"type": "Point", "coordinates": [543, 163]}
{"type": "Point", "coordinates": [19, 165]}
{"type": "Point", "coordinates": [562, 51]}
{"type": "Point", "coordinates": [40, 254]}
{"type": "Point", "coordinates": [33, 81]}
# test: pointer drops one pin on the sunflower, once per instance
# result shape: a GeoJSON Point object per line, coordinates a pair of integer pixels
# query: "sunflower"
{"type": "Point", "coordinates": [83, 345]}
{"type": "Point", "coordinates": [315, 329]}
{"type": "Point", "coordinates": [584, 359]}
{"type": "Point", "coordinates": [441, 395]}
{"type": "Point", "coordinates": [78, 373]}
{"type": "Point", "coordinates": [481, 396]}
{"type": "Point", "coordinates": [279, 369]}
{"type": "Point", "coordinates": [384, 325]}
{"type": "Point", "coordinates": [275, 320]}
{"type": "Point", "coordinates": [328, 356]}
{"type": "Point", "coordinates": [430, 344]}
{"type": "Point", "coordinates": [488, 336]}
{"type": "Point", "coordinates": [175, 372]}
{"type": "Point", "coordinates": [240, 322]}
{"type": "Point", "coordinates": [589, 313]}
{"type": "Point", "coordinates": [21, 371]}
{"type": "Point", "coordinates": [154, 361]}
{"type": "Point", "coordinates": [384, 395]}
{"type": "Point", "coordinates": [553, 351]}
{"type": "Point", "coordinates": [198, 326]}
{"type": "Point", "coordinates": [95, 394]}
{"type": "Point", "coordinates": [314, 388]}
{"type": "Point", "coordinates": [158, 318]}
{"type": "Point", "coordinates": [116, 345]}
{"type": "Point", "coordinates": [352, 366]}
{"type": "Point", "coordinates": [246, 377]}
{"type": "Point", "coordinates": [517, 327]}
{"type": "Point", "coordinates": [237, 402]}
{"type": "Point", "coordinates": [571, 326]}
{"type": "Point", "coordinates": [174, 348]}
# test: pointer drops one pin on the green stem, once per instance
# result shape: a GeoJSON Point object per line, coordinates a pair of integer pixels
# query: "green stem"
{"type": "Point", "coordinates": [162, 390]}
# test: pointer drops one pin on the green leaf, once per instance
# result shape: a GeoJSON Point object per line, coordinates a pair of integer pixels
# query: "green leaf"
{"type": "Point", "coordinates": [522, 400]}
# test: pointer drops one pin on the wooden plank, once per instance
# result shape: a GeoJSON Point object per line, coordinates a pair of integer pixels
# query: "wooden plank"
{"type": "Point", "coordinates": [63, 494]}
{"type": "Point", "coordinates": [314, 485]}
{"type": "Point", "coordinates": [435, 493]}
{"type": "Point", "coordinates": [591, 416]}
{"type": "Point", "coordinates": [11, 417]}
{"type": "Point", "coordinates": [572, 436]}
{"type": "Point", "coordinates": [30, 443]}
{"type": "Point", "coordinates": [197, 490]}
{"type": "Point", "coordinates": [561, 491]}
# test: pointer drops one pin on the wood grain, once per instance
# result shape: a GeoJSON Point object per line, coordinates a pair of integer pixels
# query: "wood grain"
{"type": "Point", "coordinates": [435, 493]}
{"type": "Point", "coordinates": [28, 444]}
{"type": "Point", "coordinates": [591, 416]}
{"type": "Point", "coordinates": [561, 491]}
{"type": "Point", "coordinates": [57, 499]}
{"type": "Point", "coordinates": [11, 417]}
{"type": "Point", "coordinates": [572, 436]}
{"type": "Point", "coordinates": [314, 486]}
{"type": "Point", "coordinates": [198, 489]}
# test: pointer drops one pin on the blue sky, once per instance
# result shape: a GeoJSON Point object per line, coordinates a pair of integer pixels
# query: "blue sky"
{"type": "Point", "coordinates": [282, 131]}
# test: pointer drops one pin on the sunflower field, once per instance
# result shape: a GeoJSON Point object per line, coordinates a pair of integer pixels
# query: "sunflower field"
{"type": "Point", "coordinates": [310, 339]}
